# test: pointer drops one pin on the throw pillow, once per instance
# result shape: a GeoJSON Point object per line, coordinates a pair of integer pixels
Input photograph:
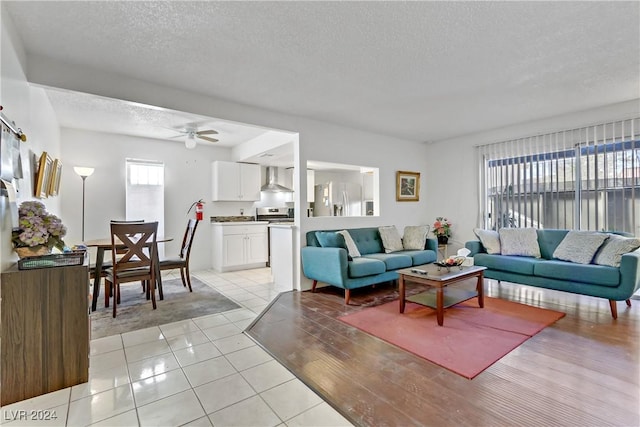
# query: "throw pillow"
{"type": "Point", "coordinates": [415, 236]}
{"type": "Point", "coordinates": [330, 239]}
{"type": "Point", "coordinates": [391, 240]}
{"type": "Point", "coordinates": [490, 239]}
{"type": "Point", "coordinates": [519, 241]}
{"type": "Point", "coordinates": [579, 246]}
{"type": "Point", "coordinates": [351, 245]}
{"type": "Point", "coordinates": [614, 247]}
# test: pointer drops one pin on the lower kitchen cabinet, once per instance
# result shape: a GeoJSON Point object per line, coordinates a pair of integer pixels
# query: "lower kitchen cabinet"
{"type": "Point", "coordinates": [45, 330]}
{"type": "Point", "coordinates": [239, 246]}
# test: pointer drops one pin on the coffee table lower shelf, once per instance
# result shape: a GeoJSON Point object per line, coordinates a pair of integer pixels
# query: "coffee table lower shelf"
{"type": "Point", "coordinates": [451, 297]}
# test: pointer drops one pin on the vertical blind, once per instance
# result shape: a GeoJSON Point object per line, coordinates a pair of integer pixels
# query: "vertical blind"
{"type": "Point", "coordinates": [584, 179]}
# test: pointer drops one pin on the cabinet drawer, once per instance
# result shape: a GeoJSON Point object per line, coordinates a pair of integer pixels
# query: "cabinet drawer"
{"type": "Point", "coordinates": [243, 229]}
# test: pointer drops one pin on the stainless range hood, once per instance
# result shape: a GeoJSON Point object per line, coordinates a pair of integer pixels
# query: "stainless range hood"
{"type": "Point", "coordinates": [272, 182]}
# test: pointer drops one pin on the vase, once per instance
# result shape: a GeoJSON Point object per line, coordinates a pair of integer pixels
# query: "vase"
{"type": "Point", "coordinates": [39, 250]}
{"type": "Point", "coordinates": [443, 240]}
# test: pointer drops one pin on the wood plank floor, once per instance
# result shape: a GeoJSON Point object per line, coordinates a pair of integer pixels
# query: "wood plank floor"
{"type": "Point", "coordinates": [584, 370]}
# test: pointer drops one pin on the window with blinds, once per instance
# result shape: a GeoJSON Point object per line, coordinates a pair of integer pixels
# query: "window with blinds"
{"type": "Point", "coordinates": [144, 195]}
{"type": "Point", "coordinates": [585, 179]}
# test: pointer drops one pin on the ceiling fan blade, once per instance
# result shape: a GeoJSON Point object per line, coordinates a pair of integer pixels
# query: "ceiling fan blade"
{"type": "Point", "coordinates": [207, 132]}
{"type": "Point", "coordinates": [206, 138]}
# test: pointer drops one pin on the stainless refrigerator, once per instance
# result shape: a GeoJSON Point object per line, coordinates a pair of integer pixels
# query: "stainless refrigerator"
{"type": "Point", "coordinates": [338, 199]}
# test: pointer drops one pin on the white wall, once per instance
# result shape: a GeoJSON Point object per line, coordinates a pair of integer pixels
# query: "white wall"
{"type": "Point", "coordinates": [452, 176]}
{"type": "Point", "coordinates": [31, 111]}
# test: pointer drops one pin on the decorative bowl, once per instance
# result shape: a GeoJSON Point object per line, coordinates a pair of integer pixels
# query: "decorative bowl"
{"type": "Point", "coordinates": [450, 262]}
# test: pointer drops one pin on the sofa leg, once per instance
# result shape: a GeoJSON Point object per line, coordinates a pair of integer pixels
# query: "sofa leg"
{"type": "Point", "coordinates": [347, 296]}
{"type": "Point", "coordinates": [614, 308]}
{"type": "Point", "coordinates": [313, 287]}
{"type": "Point", "coordinates": [628, 301]}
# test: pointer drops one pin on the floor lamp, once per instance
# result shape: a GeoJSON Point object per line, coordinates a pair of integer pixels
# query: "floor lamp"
{"type": "Point", "coordinates": [84, 172]}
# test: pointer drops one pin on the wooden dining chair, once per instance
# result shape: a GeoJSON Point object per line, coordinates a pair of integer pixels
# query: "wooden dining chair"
{"type": "Point", "coordinates": [182, 260]}
{"type": "Point", "coordinates": [106, 264]}
{"type": "Point", "coordinates": [134, 257]}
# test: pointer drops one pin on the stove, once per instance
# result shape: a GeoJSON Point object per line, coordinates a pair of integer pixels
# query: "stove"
{"type": "Point", "coordinates": [273, 215]}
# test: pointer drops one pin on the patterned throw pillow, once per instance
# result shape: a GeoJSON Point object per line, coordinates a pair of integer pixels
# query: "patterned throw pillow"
{"type": "Point", "coordinates": [579, 246]}
{"type": "Point", "coordinates": [415, 236]}
{"type": "Point", "coordinates": [351, 245]}
{"type": "Point", "coordinates": [490, 239]}
{"type": "Point", "coordinates": [390, 239]}
{"type": "Point", "coordinates": [519, 241]}
{"type": "Point", "coordinates": [614, 247]}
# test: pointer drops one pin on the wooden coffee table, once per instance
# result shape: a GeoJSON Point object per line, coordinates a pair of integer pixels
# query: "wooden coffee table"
{"type": "Point", "coordinates": [440, 279]}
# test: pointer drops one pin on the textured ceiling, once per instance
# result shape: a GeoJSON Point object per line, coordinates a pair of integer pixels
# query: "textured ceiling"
{"type": "Point", "coordinates": [422, 71]}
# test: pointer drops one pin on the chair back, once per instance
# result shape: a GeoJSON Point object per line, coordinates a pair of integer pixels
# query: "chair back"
{"type": "Point", "coordinates": [136, 245]}
{"type": "Point", "coordinates": [187, 240]}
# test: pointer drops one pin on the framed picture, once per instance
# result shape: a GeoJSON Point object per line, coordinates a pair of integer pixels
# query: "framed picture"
{"type": "Point", "coordinates": [54, 182]}
{"type": "Point", "coordinates": [44, 166]}
{"type": "Point", "coordinates": [407, 186]}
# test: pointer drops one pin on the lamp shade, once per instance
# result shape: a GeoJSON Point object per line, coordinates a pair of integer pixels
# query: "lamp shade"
{"type": "Point", "coordinates": [190, 142]}
{"type": "Point", "coordinates": [83, 171]}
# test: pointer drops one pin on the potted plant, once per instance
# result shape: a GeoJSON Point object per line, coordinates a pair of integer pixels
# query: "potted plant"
{"type": "Point", "coordinates": [442, 230]}
{"type": "Point", "coordinates": [39, 231]}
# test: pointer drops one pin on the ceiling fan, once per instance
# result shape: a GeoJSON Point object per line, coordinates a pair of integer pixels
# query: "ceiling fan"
{"type": "Point", "coordinates": [192, 133]}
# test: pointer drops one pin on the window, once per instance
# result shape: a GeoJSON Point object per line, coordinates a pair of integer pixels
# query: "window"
{"type": "Point", "coordinates": [585, 178]}
{"type": "Point", "coordinates": [145, 193]}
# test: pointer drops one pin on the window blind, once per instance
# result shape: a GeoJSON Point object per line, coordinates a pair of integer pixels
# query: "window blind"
{"type": "Point", "coordinates": [586, 178]}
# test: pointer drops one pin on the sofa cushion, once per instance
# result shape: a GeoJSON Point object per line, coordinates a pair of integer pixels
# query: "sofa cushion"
{"type": "Point", "coordinates": [549, 239]}
{"type": "Point", "coordinates": [330, 239]}
{"type": "Point", "coordinates": [415, 237]}
{"type": "Point", "coordinates": [610, 253]}
{"type": "Point", "coordinates": [579, 246]}
{"type": "Point", "coordinates": [367, 240]}
{"type": "Point", "coordinates": [394, 260]}
{"type": "Point", "coordinates": [512, 264]}
{"type": "Point", "coordinates": [420, 257]}
{"type": "Point", "coordinates": [490, 239]}
{"type": "Point", "coordinates": [390, 239]}
{"type": "Point", "coordinates": [351, 245]}
{"type": "Point", "coordinates": [519, 241]}
{"type": "Point", "coordinates": [585, 273]}
{"type": "Point", "coordinates": [363, 267]}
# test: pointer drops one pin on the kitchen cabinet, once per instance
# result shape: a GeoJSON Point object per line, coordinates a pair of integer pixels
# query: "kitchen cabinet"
{"type": "Point", "coordinates": [235, 181]}
{"type": "Point", "coordinates": [239, 246]}
{"type": "Point", "coordinates": [45, 330]}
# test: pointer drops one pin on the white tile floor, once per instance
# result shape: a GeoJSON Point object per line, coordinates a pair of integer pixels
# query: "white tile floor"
{"type": "Point", "coordinates": [196, 372]}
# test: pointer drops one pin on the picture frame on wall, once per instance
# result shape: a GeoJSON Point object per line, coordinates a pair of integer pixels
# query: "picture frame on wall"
{"type": "Point", "coordinates": [407, 186]}
{"type": "Point", "coordinates": [44, 166]}
{"type": "Point", "coordinates": [54, 182]}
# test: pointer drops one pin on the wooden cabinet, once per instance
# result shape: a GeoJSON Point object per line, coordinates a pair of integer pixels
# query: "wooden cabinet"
{"type": "Point", "coordinates": [45, 330]}
{"type": "Point", "coordinates": [239, 246]}
{"type": "Point", "coordinates": [235, 181]}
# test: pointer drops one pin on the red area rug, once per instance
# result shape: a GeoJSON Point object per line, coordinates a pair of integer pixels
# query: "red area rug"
{"type": "Point", "coordinates": [472, 338]}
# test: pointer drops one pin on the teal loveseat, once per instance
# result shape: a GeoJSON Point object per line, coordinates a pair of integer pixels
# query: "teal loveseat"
{"type": "Point", "coordinates": [333, 266]}
{"type": "Point", "coordinates": [612, 283]}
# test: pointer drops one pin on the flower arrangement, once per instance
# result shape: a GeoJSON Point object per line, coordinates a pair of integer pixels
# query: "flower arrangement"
{"type": "Point", "coordinates": [442, 227]}
{"type": "Point", "coordinates": [37, 227]}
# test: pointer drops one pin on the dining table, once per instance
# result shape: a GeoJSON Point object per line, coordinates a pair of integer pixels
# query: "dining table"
{"type": "Point", "coordinates": [104, 244]}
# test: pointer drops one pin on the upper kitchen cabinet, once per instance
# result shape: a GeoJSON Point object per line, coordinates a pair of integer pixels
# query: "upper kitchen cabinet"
{"type": "Point", "coordinates": [234, 182]}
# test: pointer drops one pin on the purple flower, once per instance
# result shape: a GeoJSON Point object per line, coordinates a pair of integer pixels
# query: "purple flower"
{"type": "Point", "coordinates": [38, 227]}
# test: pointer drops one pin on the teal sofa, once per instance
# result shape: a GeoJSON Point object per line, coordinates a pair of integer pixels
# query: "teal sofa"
{"type": "Point", "coordinates": [614, 284]}
{"type": "Point", "coordinates": [333, 266]}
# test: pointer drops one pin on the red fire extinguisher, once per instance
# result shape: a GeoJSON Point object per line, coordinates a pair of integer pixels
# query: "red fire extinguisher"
{"type": "Point", "coordinates": [199, 205]}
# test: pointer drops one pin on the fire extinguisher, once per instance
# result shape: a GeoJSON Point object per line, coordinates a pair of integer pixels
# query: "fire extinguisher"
{"type": "Point", "coordinates": [199, 207]}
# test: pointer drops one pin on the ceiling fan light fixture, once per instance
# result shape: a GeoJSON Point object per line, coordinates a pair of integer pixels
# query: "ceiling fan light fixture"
{"type": "Point", "coordinates": [190, 142]}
